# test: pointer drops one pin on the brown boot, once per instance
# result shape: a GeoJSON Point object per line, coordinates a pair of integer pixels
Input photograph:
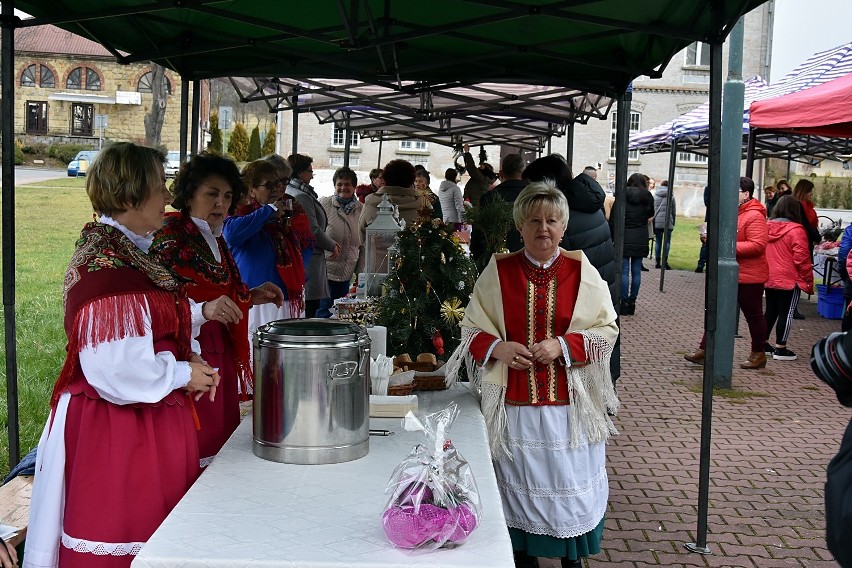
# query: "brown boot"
{"type": "Point", "coordinates": [696, 357]}
{"type": "Point", "coordinates": [756, 360]}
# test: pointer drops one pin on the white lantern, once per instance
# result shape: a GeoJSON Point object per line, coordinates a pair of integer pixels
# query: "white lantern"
{"type": "Point", "coordinates": [381, 236]}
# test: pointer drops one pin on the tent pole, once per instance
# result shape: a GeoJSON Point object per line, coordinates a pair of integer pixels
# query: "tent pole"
{"type": "Point", "coordinates": [569, 145]}
{"type": "Point", "coordinates": [7, 56]}
{"type": "Point", "coordinates": [381, 139]}
{"type": "Point", "coordinates": [196, 117]}
{"type": "Point", "coordinates": [295, 148]}
{"type": "Point", "coordinates": [667, 208]}
{"type": "Point", "coordinates": [622, 135]}
{"type": "Point", "coordinates": [347, 143]}
{"type": "Point", "coordinates": [184, 118]}
{"type": "Point", "coordinates": [752, 136]}
{"type": "Point", "coordinates": [722, 266]}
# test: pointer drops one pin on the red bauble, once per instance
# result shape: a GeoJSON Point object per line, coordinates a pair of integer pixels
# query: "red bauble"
{"type": "Point", "coordinates": [438, 342]}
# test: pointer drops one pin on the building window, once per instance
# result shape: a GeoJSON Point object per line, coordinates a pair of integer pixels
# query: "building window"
{"type": "Point", "coordinates": [93, 80]}
{"type": "Point", "coordinates": [421, 160]}
{"type": "Point", "coordinates": [635, 123]}
{"type": "Point", "coordinates": [82, 119]}
{"type": "Point", "coordinates": [413, 145]}
{"type": "Point", "coordinates": [28, 77]}
{"type": "Point", "coordinates": [36, 75]}
{"type": "Point", "coordinates": [144, 85]}
{"type": "Point", "coordinates": [36, 117]}
{"type": "Point", "coordinates": [698, 55]}
{"type": "Point", "coordinates": [48, 80]}
{"type": "Point", "coordinates": [75, 79]}
{"type": "Point", "coordinates": [337, 138]}
{"type": "Point", "coordinates": [337, 161]}
{"type": "Point", "coordinates": [690, 158]}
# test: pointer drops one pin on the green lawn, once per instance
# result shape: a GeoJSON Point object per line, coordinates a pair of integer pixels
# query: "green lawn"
{"type": "Point", "coordinates": [686, 245]}
{"type": "Point", "coordinates": [49, 216]}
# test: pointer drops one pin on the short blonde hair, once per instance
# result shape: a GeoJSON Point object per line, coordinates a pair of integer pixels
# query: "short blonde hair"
{"type": "Point", "coordinates": [540, 194]}
{"type": "Point", "coordinates": [124, 175]}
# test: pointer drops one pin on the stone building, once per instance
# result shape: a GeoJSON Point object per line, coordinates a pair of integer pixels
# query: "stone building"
{"type": "Point", "coordinates": [685, 84]}
{"type": "Point", "coordinates": [64, 83]}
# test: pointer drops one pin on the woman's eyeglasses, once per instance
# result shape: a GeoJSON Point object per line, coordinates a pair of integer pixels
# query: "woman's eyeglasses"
{"type": "Point", "coordinates": [272, 184]}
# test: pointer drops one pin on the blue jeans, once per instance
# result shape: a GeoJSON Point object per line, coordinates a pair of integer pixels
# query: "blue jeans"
{"type": "Point", "coordinates": [631, 265]}
{"type": "Point", "coordinates": [658, 243]}
{"type": "Point", "coordinates": [702, 256]}
{"type": "Point", "coordinates": [337, 290]}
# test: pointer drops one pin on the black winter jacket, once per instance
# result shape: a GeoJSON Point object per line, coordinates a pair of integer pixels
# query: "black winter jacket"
{"type": "Point", "coordinates": [639, 208]}
{"type": "Point", "coordinates": [587, 226]}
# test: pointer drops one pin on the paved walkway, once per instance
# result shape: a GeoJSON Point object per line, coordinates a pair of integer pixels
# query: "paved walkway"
{"type": "Point", "coordinates": [770, 444]}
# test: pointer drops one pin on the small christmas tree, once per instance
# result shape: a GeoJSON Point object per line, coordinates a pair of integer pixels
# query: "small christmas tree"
{"type": "Point", "coordinates": [494, 219]}
{"type": "Point", "coordinates": [429, 286]}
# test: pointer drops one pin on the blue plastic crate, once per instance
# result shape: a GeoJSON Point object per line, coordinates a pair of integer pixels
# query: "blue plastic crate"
{"type": "Point", "coordinates": [830, 302]}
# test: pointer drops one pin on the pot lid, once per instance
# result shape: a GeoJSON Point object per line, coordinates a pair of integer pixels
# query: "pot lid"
{"type": "Point", "coordinates": [315, 327]}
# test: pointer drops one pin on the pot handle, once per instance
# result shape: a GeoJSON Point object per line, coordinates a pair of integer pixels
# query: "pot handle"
{"type": "Point", "coordinates": [343, 370]}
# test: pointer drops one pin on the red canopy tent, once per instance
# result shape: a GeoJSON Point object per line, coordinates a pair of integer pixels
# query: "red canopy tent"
{"type": "Point", "coordinates": [824, 110]}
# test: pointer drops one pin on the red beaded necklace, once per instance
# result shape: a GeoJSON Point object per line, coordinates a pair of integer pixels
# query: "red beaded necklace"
{"type": "Point", "coordinates": [541, 276]}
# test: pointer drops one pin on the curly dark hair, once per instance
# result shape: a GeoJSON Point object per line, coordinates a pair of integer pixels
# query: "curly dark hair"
{"type": "Point", "coordinates": [399, 173]}
{"type": "Point", "coordinates": [194, 173]}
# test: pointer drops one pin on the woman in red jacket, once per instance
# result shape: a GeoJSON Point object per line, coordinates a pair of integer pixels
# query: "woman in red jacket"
{"type": "Point", "coordinates": [802, 192]}
{"type": "Point", "coordinates": [790, 272]}
{"type": "Point", "coordinates": [754, 272]}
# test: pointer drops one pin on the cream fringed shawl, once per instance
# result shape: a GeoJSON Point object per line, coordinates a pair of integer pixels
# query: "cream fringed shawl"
{"type": "Point", "coordinates": [590, 386]}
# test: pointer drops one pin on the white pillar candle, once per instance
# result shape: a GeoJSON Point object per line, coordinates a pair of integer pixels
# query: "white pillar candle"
{"type": "Point", "coordinates": [378, 340]}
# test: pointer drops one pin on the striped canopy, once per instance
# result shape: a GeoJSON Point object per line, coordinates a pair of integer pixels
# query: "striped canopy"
{"type": "Point", "coordinates": [692, 129]}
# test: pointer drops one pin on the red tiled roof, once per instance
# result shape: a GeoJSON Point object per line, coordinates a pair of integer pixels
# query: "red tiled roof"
{"type": "Point", "coordinates": [50, 39]}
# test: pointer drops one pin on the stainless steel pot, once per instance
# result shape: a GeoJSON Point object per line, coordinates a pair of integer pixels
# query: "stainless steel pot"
{"type": "Point", "coordinates": [311, 392]}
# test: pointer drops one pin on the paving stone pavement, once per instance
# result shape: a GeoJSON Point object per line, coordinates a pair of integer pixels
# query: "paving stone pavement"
{"type": "Point", "coordinates": [769, 448]}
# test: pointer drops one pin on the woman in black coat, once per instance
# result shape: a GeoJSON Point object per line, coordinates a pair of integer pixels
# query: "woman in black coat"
{"type": "Point", "coordinates": [639, 208]}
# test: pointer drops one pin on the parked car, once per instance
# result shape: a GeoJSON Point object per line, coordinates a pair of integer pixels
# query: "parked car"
{"type": "Point", "coordinates": [172, 165]}
{"type": "Point", "coordinates": [75, 168]}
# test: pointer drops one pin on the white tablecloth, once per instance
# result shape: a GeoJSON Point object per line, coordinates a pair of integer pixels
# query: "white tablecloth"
{"type": "Point", "coordinates": [246, 511]}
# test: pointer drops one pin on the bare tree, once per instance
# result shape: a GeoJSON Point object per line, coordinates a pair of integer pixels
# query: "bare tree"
{"type": "Point", "coordinates": [154, 118]}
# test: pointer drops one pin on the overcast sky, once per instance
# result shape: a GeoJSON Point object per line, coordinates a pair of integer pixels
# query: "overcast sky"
{"type": "Point", "coordinates": [804, 27]}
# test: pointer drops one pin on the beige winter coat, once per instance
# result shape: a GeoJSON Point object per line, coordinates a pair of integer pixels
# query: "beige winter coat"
{"type": "Point", "coordinates": [343, 229]}
{"type": "Point", "coordinates": [406, 200]}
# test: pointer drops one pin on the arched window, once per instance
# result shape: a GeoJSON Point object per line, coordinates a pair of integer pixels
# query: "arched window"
{"type": "Point", "coordinates": [75, 79]}
{"type": "Point", "coordinates": [93, 80]}
{"type": "Point", "coordinates": [28, 77]}
{"type": "Point", "coordinates": [48, 80]}
{"type": "Point", "coordinates": [37, 75]}
{"type": "Point", "coordinates": [144, 84]}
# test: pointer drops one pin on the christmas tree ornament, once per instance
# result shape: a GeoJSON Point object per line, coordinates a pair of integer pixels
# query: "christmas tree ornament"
{"type": "Point", "coordinates": [452, 311]}
{"type": "Point", "coordinates": [443, 258]}
{"type": "Point", "coordinates": [438, 342]}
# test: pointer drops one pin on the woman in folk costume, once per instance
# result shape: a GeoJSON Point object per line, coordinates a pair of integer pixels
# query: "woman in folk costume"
{"type": "Point", "coordinates": [265, 246]}
{"type": "Point", "coordinates": [543, 373]}
{"type": "Point", "coordinates": [207, 189]}
{"type": "Point", "coordinates": [120, 447]}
